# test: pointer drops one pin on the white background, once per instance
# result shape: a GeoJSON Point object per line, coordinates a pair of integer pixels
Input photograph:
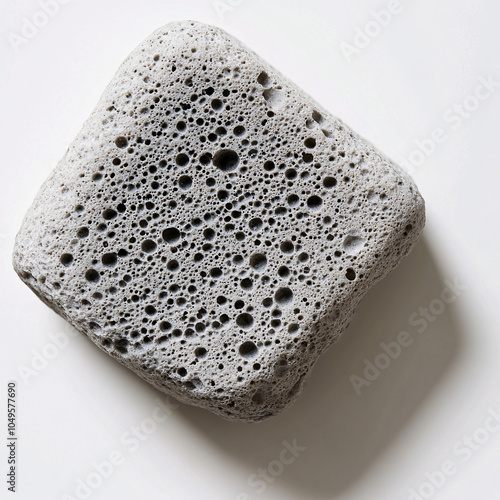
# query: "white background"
{"type": "Point", "coordinates": [76, 408]}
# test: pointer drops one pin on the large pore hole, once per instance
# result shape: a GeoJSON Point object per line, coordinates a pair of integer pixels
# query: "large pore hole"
{"type": "Point", "coordinates": [92, 275]}
{"type": "Point", "coordinates": [217, 104]}
{"type": "Point", "coordinates": [258, 261]}
{"type": "Point", "coordinates": [263, 79]}
{"type": "Point", "coordinates": [287, 247]}
{"type": "Point", "coordinates": [148, 246]}
{"type": "Point", "coordinates": [283, 272]}
{"type": "Point", "coordinates": [248, 349]}
{"type": "Point", "coordinates": [246, 284]}
{"type": "Point", "coordinates": [66, 259]}
{"type": "Point", "coordinates": [83, 232]}
{"type": "Point", "coordinates": [244, 320]}
{"type": "Point", "coordinates": [200, 352]}
{"type": "Point", "coordinates": [314, 202]}
{"type": "Point", "coordinates": [185, 182]}
{"type": "Point", "coordinates": [274, 98]}
{"type": "Point", "coordinates": [121, 345]}
{"type": "Point", "coordinates": [283, 296]}
{"type": "Point", "coordinates": [317, 117]}
{"type": "Point", "coordinates": [121, 142]}
{"type": "Point", "coordinates": [350, 274]}
{"type": "Point", "coordinates": [181, 159]}
{"type": "Point", "coordinates": [329, 182]}
{"type": "Point", "coordinates": [109, 259]}
{"type": "Point", "coordinates": [255, 224]}
{"type": "Point", "coordinates": [353, 244]}
{"type": "Point", "coordinates": [226, 160]}
{"type": "Point", "coordinates": [109, 214]}
{"type": "Point", "coordinates": [310, 142]}
{"type": "Point", "coordinates": [171, 235]}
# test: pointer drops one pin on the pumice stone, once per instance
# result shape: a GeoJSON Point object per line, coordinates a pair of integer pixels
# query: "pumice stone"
{"type": "Point", "coordinates": [212, 227]}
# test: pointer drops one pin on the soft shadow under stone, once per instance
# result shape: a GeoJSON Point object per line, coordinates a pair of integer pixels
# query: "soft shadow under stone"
{"type": "Point", "coordinates": [344, 433]}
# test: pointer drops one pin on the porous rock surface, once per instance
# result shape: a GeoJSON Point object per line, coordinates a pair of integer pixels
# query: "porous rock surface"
{"type": "Point", "coordinates": [212, 227]}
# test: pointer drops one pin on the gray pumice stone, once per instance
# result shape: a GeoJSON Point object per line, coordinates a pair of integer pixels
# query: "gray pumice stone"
{"type": "Point", "coordinates": [212, 227]}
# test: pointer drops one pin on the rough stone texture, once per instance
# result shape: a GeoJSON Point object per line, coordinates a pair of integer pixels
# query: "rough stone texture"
{"type": "Point", "coordinates": [212, 227]}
